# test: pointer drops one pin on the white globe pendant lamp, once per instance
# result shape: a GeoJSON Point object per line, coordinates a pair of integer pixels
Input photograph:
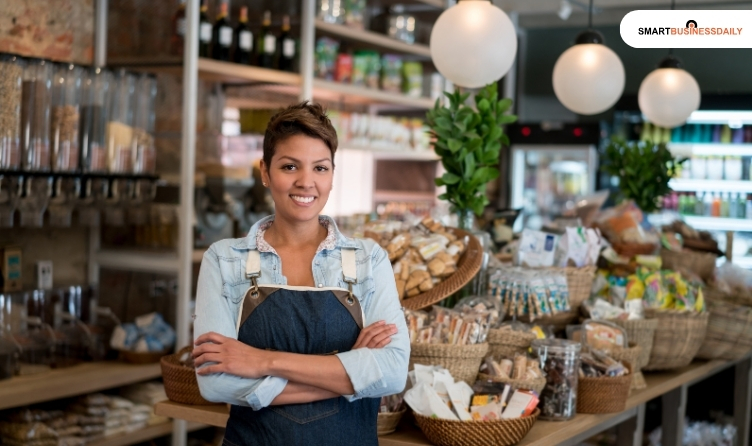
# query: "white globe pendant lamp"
{"type": "Point", "coordinates": [589, 77]}
{"type": "Point", "coordinates": [473, 43]}
{"type": "Point", "coordinates": [669, 94]}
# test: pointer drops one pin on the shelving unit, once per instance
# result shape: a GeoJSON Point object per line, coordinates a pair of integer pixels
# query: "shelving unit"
{"type": "Point", "coordinates": [690, 185]}
{"type": "Point", "coordinates": [145, 434]}
{"type": "Point", "coordinates": [710, 149]}
{"type": "Point", "coordinates": [73, 381]}
{"type": "Point", "coordinates": [372, 39]}
{"type": "Point", "coordinates": [718, 223]}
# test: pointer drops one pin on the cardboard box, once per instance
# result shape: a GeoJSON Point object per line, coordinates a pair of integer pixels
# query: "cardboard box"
{"type": "Point", "coordinates": [10, 269]}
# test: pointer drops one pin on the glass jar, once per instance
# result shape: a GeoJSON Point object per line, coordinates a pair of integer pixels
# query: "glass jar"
{"type": "Point", "coordinates": [32, 336]}
{"type": "Point", "coordinates": [93, 146]}
{"type": "Point", "coordinates": [11, 76]}
{"type": "Point", "coordinates": [144, 151]}
{"type": "Point", "coordinates": [36, 98]}
{"type": "Point", "coordinates": [560, 361]}
{"type": "Point", "coordinates": [119, 131]}
{"type": "Point", "coordinates": [8, 349]}
{"type": "Point", "coordinates": [66, 98]}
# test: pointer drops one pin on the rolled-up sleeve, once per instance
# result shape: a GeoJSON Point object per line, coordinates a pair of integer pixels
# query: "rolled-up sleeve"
{"type": "Point", "coordinates": [215, 313]}
{"type": "Point", "coordinates": [381, 371]}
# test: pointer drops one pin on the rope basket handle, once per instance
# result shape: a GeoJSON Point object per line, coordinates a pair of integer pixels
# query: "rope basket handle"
{"type": "Point", "coordinates": [175, 357]}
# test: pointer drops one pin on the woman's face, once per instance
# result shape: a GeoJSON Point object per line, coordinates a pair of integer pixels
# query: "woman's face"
{"type": "Point", "coordinates": [300, 177]}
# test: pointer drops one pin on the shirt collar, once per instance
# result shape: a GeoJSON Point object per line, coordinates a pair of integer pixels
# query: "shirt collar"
{"type": "Point", "coordinates": [249, 241]}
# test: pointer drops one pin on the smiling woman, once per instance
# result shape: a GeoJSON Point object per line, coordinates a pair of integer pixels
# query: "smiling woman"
{"type": "Point", "coordinates": [298, 327]}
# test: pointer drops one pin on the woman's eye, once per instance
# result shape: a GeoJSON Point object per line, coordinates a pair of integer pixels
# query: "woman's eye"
{"type": "Point", "coordinates": [322, 168]}
{"type": "Point", "coordinates": [288, 167]}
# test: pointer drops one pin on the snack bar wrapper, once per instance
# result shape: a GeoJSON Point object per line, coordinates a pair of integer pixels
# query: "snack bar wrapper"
{"type": "Point", "coordinates": [578, 247]}
{"type": "Point", "coordinates": [424, 400]}
{"type": "Point", "coordinates": [536, 249]}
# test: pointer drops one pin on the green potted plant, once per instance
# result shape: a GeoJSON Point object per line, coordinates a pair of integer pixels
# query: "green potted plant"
{"type": "Point", "coordinates": [469, 140]}
{"type": "Point", "coordinates": [644, 169]}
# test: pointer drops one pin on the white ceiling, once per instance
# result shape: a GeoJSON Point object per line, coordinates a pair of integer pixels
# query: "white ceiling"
{"type": "Point", "coordinates": [543, 13]}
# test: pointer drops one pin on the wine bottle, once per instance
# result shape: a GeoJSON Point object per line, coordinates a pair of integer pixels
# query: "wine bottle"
{"type": "Point", "coordinates": [243, 52]}
{"type": "Point", "coordinates": [267, 43]}
{"type": "Point", "coordinates": [204, 32]}
{"type": "Point", "coordinates": [177, 41]}
{"type": "Point", "coordinates": [285, 47]}
{"type": "Point", "coordinates": [222, 35]}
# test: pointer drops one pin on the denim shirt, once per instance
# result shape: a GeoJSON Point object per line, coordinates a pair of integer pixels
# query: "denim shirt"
{"type": "Point", "coordinates": [222, 286]}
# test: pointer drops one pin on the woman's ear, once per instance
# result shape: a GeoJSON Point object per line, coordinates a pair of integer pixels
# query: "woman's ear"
{"type": "Point", "coordinates": [264, 173]}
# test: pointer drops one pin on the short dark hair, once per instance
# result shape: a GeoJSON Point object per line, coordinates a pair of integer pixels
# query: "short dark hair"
{"type": "Point", "coordinates": [305, 118]}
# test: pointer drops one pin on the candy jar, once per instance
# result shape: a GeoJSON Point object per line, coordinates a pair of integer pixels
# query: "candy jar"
{"type": "Point", "coordinates": [560, 360]}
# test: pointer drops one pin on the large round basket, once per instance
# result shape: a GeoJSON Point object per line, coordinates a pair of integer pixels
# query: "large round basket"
{"type": "Point", "coordinates": [579, 283]}
{"type": "Point", "coordinates": [631, 355]}
{"type": "Point", "coordinates": [700, 263]}
{"type": "Point", "coordinates": [678, 338]}
{"type": "Point", "coordinates": [729, 334]}
{"type": "Point", "coordinates": [387, 422]}
{"type": "Point", "coordinates": [132, 357]}
{"type": "Point", "coordinates": [180, 381]}
{"type": "Point", "coordinates": [462, 361]}
{"type": "Point", "coordinates": [630, 250]}
{"type": "Point", "coordinates": [536, 385]}
{"type": "Point", "coordinates": [476, 433]}
{"type": "Point", "coordinates": [508, 343]}
{"type": "Point", "coordinates": [641, 332]}
{"type": "Point", "coordinates": [467, 267]}
{"type": "Point", "coordinates": [604, 394]}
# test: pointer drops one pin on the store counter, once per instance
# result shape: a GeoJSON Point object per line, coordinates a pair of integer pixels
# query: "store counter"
{"type": "Point", "coordinates": [672, 386]}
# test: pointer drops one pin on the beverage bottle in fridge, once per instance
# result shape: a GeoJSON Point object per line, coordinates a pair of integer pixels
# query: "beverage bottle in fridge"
{"type": "Point", "coordinates": [204, 32]}
{"type": "Point", "coordinates": [691, 204]}
{"type": "Point", "coordinates": [243, 53]}
{"type": "Point", "coordinates": [715, 206]}
{"type": "Point", "coordinates": [748, 211]}
{"type": "Point", "coordinates": [725, 199]}
{"type": "Point", "coordinates": [733, 208]}
{"type": "Point", "coordinates": [266, 45]}
{"type": "Point", "coordinates": [682, 207]}
{"type": "Point", "coordinates": [700, 204]}
{"type": "Point", "coordinates": [741, 204]}
{"type": "Point", "coordinates": [222, 35]}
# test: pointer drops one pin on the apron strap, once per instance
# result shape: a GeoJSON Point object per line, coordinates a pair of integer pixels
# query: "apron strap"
{"type": "Point", "coordinates": [253, 264]}
{"type": "Point", "coordinates": [349, 269]}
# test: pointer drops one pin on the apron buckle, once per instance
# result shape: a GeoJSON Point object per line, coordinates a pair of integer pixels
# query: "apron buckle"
{"type": "Point", "coordinates": [254, 288]}
{"type": "Point", "coordinates": [350, 299]}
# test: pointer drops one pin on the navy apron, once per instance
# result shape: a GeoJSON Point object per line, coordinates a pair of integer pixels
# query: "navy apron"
{"type": "Point", "coordinates": [311, 321]}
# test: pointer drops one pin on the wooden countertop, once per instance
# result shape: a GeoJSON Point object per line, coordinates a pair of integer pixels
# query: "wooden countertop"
{"type": "Point", "coordinates": [543, 433]}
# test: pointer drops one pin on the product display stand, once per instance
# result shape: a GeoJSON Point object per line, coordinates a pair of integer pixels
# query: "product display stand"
{"type": "Point", "coordinates": [670, 386]}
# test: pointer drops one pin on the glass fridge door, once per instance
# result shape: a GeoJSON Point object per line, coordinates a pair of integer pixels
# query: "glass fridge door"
{"type": "Point", "coordinates": [547, 179]}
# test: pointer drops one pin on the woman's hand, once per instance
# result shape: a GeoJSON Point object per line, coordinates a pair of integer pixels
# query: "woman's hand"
{"type": "Point", "coordinates": [376, 335]}
{"type": "Point", "coordinates": [230, 355]}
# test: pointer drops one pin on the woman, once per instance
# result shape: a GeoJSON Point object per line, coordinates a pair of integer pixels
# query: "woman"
{"type": "Point", "coordinates": [298, 327]}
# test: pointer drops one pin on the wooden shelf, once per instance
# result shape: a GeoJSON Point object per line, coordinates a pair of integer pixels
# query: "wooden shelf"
{"type": "Point", "coordinates": [335, 91]}
{"type": "Point", "coordinates": [373, 39]}
{"type": "Point", "coordinates": [73, 381]}
{"type": "Point", "coordinates": [398, 195]}
{"type": "Point", "coordinates": [215, 415]}
{"type": "Point", "coordinates": [142, 435]}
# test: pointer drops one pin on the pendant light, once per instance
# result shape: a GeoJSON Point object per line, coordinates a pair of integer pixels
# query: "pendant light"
{"type": "Point", "coordinates": [669, 94]}
{"type": "Point", "coordinates": [588, 78]}
{"type": "Point", "coordinates": [473, 43]}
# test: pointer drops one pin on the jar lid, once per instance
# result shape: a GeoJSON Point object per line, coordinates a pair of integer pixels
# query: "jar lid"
{"type": "Point", "coordinates": [558, 345]}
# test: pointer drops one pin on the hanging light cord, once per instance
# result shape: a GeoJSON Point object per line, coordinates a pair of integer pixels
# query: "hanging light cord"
{"type": "Point", "coordinates": [590, 15]}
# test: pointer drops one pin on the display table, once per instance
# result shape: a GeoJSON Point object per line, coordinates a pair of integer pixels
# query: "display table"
{"type": "Point", "coordinates": [671, 386]}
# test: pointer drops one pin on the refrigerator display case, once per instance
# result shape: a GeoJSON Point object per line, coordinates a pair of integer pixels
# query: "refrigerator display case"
{"type": "Point", "coordinates": [551, 169]}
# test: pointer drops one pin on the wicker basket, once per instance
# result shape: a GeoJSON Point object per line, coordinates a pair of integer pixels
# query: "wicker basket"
{"type": "Point", "coordinates": [631, 250]}
{"type": "Point", "coordinates": [729, 334]}
{"type": "Point", "coordinates": [132, 357]}
{"type": "Point", "coordinates": [467, 267]}
{"type": "Point", "coordinates": [180, 381]}
{"type": "Point", "coordinates": [580, 283]}
{"type": "Point", "coordinates": [700, 263]}
{"type": "Point", "coordinates": [462, 361]}
{"type": "Point", "coordinates": [508, 343]}
{"type": "Point", "coordinates": [678, 338]}
{"type": "Point", "coordinates": [476, 433]}
{"type": "Point", "coordinates": [604, 394]}
{"type": "Point", "coordinates": [536, 385]}
{"type": "Point", "coordinates": [641, 332]}
{"type": "Point", "coordinates": [630, 355]}
{"type": "Point", "coordinates": [386, 423]}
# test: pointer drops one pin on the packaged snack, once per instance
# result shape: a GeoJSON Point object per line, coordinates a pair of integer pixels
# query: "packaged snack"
{"type": "Point", "coordinates": [635, 288]}
{"type": "Point", "coordinates": [540, 298]}
{"type": "Point", "coordinates": [602, 335]}
{"type": "Point", "coordinates": [574, 248]}
{"type": "Point", "coordinates": [412, 79]}
{"type": "Point", "coordinates": [326, 57]}
{"type": "Point", "coordinates": [536, 249]}
{"type": "Point", "coordinates": [563, 289]}
{"type": "Point", "coordinates": [520, 367]}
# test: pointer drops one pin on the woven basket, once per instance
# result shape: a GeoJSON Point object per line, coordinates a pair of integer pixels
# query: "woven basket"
{"type": "Point", "coordinates": [678, 338]}
{"type": "Point", "coordinates": [630, 355]}
{"type": "Point", "coordinates": [535, 385]}
{"type": "Point", "coordinates": [631, 250]}
{"type": "Point", "coordinates": [386, 423]}
{"type": "Point", "coordinates": [462, 361]}
{"type": "Point", "coordinates": [641, 332]}
{"type": "Point", "coordinates": [476, 433]}
{"type": "Point", "coordinates": [604, 394]}
{"type": "Point", "coordinates": [508, 343]}
{"type": "Point", "coordinates": [467, 267]}
{"type": "Point", "coordinates": [180, 381]}
{"type": "Point", "coordinates": [140, 357]}
{"type": "Point", "coordinates": [729, 334]}
{"type": "Point", "coordinates": [579, 283]}
{"type": "Point", "coordinates": [700, 263]}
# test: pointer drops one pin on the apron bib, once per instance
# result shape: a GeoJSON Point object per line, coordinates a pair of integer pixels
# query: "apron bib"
{"type": "Point", "coordinates": [305, 320]}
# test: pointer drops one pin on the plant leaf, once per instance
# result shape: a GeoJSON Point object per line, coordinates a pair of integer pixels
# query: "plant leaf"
{"type": "Point", "coordinates": [469, 166]}
{"type": "Point", "coordinates": [454, 145]}
{"type": "Point", "coordinates": [450, 178]}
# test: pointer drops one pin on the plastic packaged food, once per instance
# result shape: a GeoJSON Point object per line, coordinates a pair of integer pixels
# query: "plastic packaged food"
{"type": "Point", "coordinates": [602, 335]}
{"type": "Point", "coordinates": [11, 76]}
{"type": "Point", "coordinates": [36, 99]}
{"type": "Point", "coordinates": [326, 57]}
{"type": "Point", "coordinates": [412, 78]}
{"type": "Point", "coordinates": [119, 133]}
{"type": "Point", "coordinates": [560, 361]}
{"type": "Point", "coordinates": [66, 118]}
{"type": "Point", "coordinates": [144, 150]}
{"type": "Point", "coordinates": [93, 146]}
